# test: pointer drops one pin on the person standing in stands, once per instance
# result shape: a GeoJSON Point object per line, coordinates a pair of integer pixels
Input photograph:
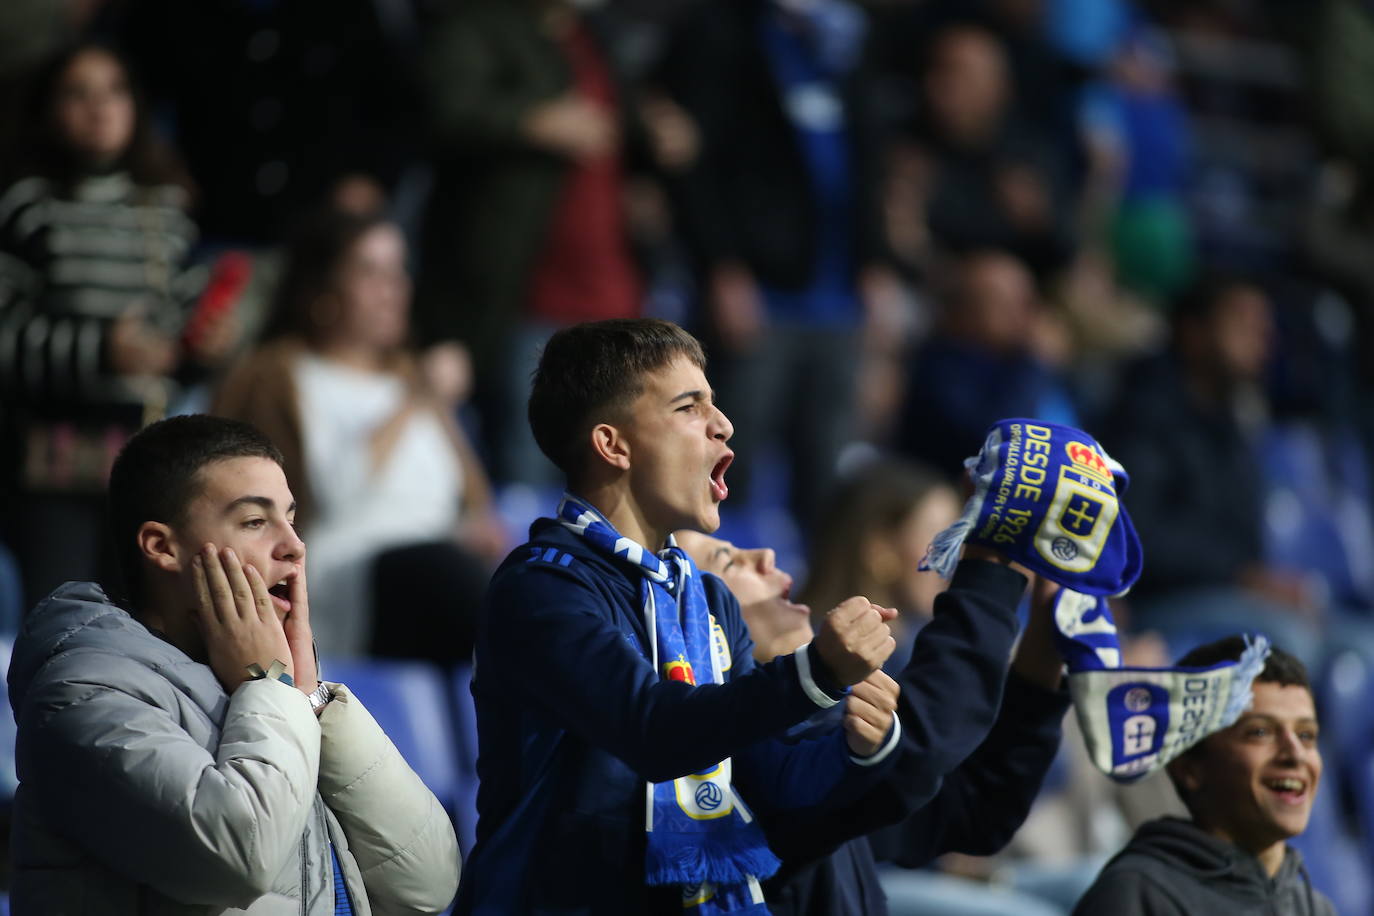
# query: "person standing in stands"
{"type": "Point", "coordinates": [525, 230]}
{"type": "Point", "coordinates": [182, 755]}
{"type": "Point", "coordinates": [95, 287]}
{"type": "Point", "coordinates": [782, 215]}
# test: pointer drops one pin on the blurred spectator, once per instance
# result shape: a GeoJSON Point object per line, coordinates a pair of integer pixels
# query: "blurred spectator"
{"type": "Point", "coordinates": [30, 32]}
{"type": "Point", "coordinates": [983, 177]}
{"type": "Point", "coordinates": [870, 541]}
{"type": "Point", "coordinates": [525, 231]}
{"type": "Point", "coordinates": [1338, 239]}
{"type": "Point", "coordinates": [391, 499]}
{"type": "Point", "coordinates": [1339, 45]}
{"type": "Point", "coordinates": [1187, 427]}
{"type": "Point", "coordinates": [273, 101]}
{"type": "Point", "coordinates": [992, 356]}
{"type": "Point", "coordinates": [1108, 324]}
{"type": "Point", "coordinates": [781, 211]}
{"type": "Point", "coordinates": [1086, 33]}
{"type": "Point", "coordinates": [94, 291]}
{"type": "Point", "coordinates": [1136, 133]}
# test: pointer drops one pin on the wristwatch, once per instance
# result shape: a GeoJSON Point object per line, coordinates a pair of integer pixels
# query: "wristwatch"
{"type": "Point", "coordinates": [321, 697]}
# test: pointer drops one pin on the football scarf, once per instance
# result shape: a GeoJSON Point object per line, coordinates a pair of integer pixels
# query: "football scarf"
{"type": "Point", "coordinates": [1135, 720]}
{"type": "Point", "coordinates": [1047, 496]}
{"type": "Point", "coordinates": [701, 836]}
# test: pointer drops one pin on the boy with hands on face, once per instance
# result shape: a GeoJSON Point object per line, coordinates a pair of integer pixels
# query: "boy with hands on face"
{"type": "Point", "coordinates": [182, 756]}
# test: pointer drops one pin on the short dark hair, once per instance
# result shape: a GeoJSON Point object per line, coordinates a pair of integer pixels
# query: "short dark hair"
{"type": "Point", "coordinates": [156, 477]}
{"type": "Point", "coordinates": [593, 370]}
{"type": "Point", "coordinates": [1279, 668]}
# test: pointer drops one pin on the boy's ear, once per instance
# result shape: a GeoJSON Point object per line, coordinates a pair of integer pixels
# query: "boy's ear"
{"type": "Point", "coordinates": [610, 445]}
{"type": "Point", "coordinates": [158, 545]}
{"type": "Point", "coordinates": [1185, 770]}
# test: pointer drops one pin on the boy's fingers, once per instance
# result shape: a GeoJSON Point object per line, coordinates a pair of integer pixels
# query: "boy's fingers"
{"type": "Point", "coordinates": [886, 614]}
{"type": "Point", "coordinates": [261, 599]}
{"type": "Point", "coordinates": [205, 605]}
{"type": "Point", "coordinates": [238, 583]}
{"type": "Point", "coordinates": [848, 611]}
{"type": "Point", "coordinates": [863, 730]}
{"type": "Point", "coordinates": [878, 690]}
{"type": "Point", "coordinates": [221, 596]}
{"type": "Point", "coordinates": [300, 601]}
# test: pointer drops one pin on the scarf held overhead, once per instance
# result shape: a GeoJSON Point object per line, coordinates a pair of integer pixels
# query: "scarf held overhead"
{"type": "Point", "coordinates": [701, 836]}
{"type": "Point", "coordinates": [1048, 497]}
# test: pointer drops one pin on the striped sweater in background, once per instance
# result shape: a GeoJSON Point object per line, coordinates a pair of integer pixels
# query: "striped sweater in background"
{"type": "Point", "coordinates": [70, 265]}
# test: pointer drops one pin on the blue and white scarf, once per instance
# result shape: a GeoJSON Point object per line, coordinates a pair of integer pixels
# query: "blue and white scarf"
{"type": "Point", "coordinates": [701, 836]}
{"type": "Point", "coordinates": [1048, 496]}
{"type": "Point", "coordinates": [1135, 720]}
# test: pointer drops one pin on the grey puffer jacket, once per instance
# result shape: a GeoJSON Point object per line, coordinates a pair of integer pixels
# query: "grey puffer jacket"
{"type": "Point", "coordinates": [1172, 868]}
{"type": "Point", "coordinates": [145, 789]}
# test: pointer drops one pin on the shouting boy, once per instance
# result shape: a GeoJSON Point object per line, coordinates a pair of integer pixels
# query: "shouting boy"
{"type": "Point", "coordinates": [625, 727]}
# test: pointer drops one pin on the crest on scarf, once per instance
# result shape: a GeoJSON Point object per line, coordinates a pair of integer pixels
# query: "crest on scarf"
{"type": "Point", "coordinates": [1048, 496]}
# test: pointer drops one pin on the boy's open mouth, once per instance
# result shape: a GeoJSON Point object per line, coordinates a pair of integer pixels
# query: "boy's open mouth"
{"type": "Point", "coordinates": [281, 595]}
{"type": "Point", "coordinates": [718, 488]}
{"type": "Point", "coordinates": [1289, 788]}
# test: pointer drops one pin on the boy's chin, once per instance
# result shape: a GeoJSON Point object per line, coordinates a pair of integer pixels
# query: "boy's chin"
{"type": "Point", "coordinates": [708, 521]}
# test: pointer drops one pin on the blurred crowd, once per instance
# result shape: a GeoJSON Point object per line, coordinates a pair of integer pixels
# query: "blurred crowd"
{"type": "Point", "coordinates": [893, 222]}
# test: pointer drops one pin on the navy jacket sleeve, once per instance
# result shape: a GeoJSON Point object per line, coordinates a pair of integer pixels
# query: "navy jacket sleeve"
{"type": "Point", "coordinates": [986, 799]}
{"type": "Point", "coordinates": [551, 640]}
{"type": "Point", "coordinates": [782, 773]}
{"type": "Point", "coordinates": [951, 691]}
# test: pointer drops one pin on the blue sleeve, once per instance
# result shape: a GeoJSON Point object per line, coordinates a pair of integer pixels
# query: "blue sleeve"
{"type": "Point", "coordinates": [983, 802]}
{"type": "Point", "coordinates": [551, 639]}
{"type": "Point", "coordinates": [951, 690]}
{"type": "Point", "coordinates": [785, 774]}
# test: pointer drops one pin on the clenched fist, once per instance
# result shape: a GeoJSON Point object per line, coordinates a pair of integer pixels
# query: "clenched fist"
{"type": "Point", "coordinates": [868, 712]}
{"type": "Point", "coordinates": [854, 640]}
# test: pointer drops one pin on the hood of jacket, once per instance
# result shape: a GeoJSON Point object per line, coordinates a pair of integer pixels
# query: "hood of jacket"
{"type": "Point", "coordinates": [79, 617]}
{"type": "Point", "coordinates": [1219, 873]}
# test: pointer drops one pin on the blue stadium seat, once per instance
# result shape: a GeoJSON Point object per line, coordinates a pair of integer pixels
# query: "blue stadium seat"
{"type": "Point", "coordinates": [519, 504]}
{"type": "Point", "coordinates": [409, 700]}
{"type": "Point", "coordinates": [1344, 691]}
{"type": "Point", "coordinates": [465, 733]}
{"type": "Point", "coordinates": [1317, 517]}
{"type": "Point", "coordinates": [11, 595]}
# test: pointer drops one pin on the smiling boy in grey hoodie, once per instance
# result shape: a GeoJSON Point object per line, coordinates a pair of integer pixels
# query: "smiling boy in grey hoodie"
{"type": "Point", "coordinates": [1248, 788]}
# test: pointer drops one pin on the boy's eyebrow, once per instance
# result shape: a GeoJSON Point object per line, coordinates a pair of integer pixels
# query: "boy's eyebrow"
{"type": "Point", "coordinates": [696, 394]}
{"type": "Point", "coordinates": [266, 503]}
